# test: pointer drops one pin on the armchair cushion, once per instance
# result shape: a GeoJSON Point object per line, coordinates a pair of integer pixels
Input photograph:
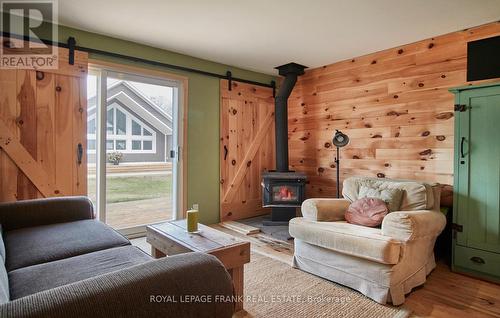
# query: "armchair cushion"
{"type": "Point", "coordinates": [350, 239]}
{"type": "Point", "coordinates": [324, 209]}
{"type": "Point", "coordinates": [46, 243]}
{"type": "Point", "coordinates": [417, 195]}
{"type": "Point", "coordinates": [411, 225]}
{"type": "Point", "coordinates": [392, 197]}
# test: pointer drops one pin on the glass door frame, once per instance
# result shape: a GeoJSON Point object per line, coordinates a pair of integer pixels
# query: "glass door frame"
{"type": "Point", "coordinates": [103, 70]}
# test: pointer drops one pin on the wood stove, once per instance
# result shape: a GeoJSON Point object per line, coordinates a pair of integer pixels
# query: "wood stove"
{"type": "Point", "coordinates": [283, 190]}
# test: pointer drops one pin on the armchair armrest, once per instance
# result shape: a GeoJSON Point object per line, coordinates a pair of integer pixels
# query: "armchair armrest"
{"type": "Point", "coordinates": [324, 209]}
{"type": "Point", "coordinates": [19, 214]}
{"type": "Point", "coordinates": [151, 289]}
{"type": "Point", "coordinates": [411, 225]}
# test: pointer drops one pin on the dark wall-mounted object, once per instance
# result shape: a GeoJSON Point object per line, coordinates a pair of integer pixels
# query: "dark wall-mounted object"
{"type": "Point", "coordinates": [283, 190]}
{"type": "Point", "coordinates": [290, 72]}
{"type": "Point", "coordinates": [71, 48]}
{"type": "Point", "coordinates": [483, 59]}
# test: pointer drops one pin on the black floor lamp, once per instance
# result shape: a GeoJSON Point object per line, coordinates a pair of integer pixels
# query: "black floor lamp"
{"type": "Point", "coordinates": [339, 140]}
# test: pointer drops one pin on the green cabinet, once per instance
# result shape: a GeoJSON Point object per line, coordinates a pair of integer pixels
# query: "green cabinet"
{"type": "Point", "coordinates": [476, 213]}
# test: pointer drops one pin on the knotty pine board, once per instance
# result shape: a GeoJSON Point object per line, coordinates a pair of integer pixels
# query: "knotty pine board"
{"type": "Point", "coordinates": [394, 105]}
{"type": "Point", "coordinates": [246, 148]}
{"type": "Point", "coordinates": [45, 112]}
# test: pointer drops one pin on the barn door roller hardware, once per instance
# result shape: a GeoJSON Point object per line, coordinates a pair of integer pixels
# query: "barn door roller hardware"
{"type": "Point", "coordinates": [229, 80]}
{"type": "Point", "coordinates": [72, 44]}
{"type": "Point", "coordinates": [71, 48]}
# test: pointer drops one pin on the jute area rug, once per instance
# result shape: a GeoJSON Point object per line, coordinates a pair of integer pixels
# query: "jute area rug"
{"type": "Point", "coordinates": [275, 289]}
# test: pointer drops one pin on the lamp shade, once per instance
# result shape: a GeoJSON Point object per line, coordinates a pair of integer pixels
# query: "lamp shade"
{"type": "Point", "coordinates": [340, 139]}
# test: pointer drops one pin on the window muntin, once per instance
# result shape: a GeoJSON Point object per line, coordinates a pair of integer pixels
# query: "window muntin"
{"type": "Point", "coordinates": [125, 133]}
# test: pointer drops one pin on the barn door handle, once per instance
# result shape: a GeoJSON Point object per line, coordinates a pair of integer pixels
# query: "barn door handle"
{"type": "Point", "coordinates": [225, 152]}
{"type": "Point", "coordinates": [462, 147]}
{"type": "Point", "coordinates": [79, 153]}
{"type": "Point", "coordinates": [477, 260]}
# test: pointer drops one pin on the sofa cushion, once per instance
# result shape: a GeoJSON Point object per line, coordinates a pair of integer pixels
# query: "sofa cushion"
{"type": "Point", "coordinates": [46, 243]}
{"type": "Point", "coordinates": [350, 239]}
{"type": "Point", "coordinates": [4, 284]}
{"type": "Point", "coordinates": [417, 195]}
{"type": "Point", "coordinates": [2, 246]}
{"type": "Point", "coordinates": [32, 279]}
{"type": "Point", "coordinates": [4, 281]}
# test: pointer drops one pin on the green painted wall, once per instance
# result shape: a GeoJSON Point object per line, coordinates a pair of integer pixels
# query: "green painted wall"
{"type": "Point", "coordinates": [203, 111]}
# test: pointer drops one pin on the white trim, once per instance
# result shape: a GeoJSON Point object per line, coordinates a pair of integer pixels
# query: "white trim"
{"type": "Point", "coordinates": [144, 113]}
{"type": "Point", "coordinates": [102, 159]}
{"type": "Point", "coordinates": [177, 132]}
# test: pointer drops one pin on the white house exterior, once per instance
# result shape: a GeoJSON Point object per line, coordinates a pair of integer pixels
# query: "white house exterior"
{"type": "Point", "coordinates": [136, 126]}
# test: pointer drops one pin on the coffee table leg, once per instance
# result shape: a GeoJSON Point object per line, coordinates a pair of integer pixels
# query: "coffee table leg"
{"type": "Point", "coordinates": [156, 253]}
{"type": "Point", "coordinates": [237, 276]}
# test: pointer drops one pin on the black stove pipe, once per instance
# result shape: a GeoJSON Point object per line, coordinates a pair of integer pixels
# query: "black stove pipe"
{"type": "Point", "coordinates": [290, 71]}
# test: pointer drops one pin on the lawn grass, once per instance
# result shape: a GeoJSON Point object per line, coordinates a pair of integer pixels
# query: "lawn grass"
{"type": "Point", "coordinates": [134, 188]}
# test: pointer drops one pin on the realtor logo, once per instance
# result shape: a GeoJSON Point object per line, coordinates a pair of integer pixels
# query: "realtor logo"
{"type": "Point", "coordinates": [28, 29]}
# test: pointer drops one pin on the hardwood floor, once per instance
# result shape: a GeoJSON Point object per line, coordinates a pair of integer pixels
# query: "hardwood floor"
{"type": "Point", "coordinates": [445, 294]}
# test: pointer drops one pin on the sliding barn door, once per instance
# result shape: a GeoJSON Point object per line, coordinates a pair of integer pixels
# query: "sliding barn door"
{"type": "Point", "coordinates": [246, 148]}
{"type": "Point", "coordinates": [43, 117]}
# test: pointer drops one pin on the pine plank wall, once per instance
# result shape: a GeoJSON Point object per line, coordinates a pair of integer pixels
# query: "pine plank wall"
{"type": "Point", "coordinates": [395, 107]}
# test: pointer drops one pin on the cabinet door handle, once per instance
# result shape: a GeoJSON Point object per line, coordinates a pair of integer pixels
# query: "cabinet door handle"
{"type": "Point", "coordinates": [477, 260]}
{"type": "Point", "coordinates": [462, 147]}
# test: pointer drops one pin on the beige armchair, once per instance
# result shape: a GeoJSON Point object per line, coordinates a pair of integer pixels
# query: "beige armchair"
{"type": "Point", "coordinates": [382, 263]}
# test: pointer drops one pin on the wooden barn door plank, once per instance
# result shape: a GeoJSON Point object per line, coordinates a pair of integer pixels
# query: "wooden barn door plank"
{"type": "Point", "coordinates": [26, 163]}
{"type": "Point", "coordinates": [45, 116]}
{"type": "Point", "coordinates": [64, 134]}
{"type": "Point", "coordinates": [26, 99]}
{"type": "Point", "coordinates": [8, 113]}
{"type": "Point", "coordinates": [80, 135]}
{"type": "Point", "coordinates": [247, 148]}
{"type": "Point", "coordinates": [246, 161]}
{"type": "Point", "coordinates": [224, 150]}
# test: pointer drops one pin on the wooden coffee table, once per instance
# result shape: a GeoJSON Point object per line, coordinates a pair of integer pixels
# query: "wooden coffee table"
{"type": "Point", "coordinates": [171, 238]}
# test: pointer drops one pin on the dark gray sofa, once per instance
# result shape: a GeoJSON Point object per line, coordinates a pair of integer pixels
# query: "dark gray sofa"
{"type": "Point", "coordinates": [56, 260]}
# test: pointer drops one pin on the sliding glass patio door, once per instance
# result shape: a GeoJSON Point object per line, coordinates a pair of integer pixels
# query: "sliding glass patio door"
{"type": "Point", "coordinates": [133, 148]}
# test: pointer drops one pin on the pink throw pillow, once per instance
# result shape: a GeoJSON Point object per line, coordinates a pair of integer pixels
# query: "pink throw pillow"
{"type": "Point", "coordinates": [367, 211]}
